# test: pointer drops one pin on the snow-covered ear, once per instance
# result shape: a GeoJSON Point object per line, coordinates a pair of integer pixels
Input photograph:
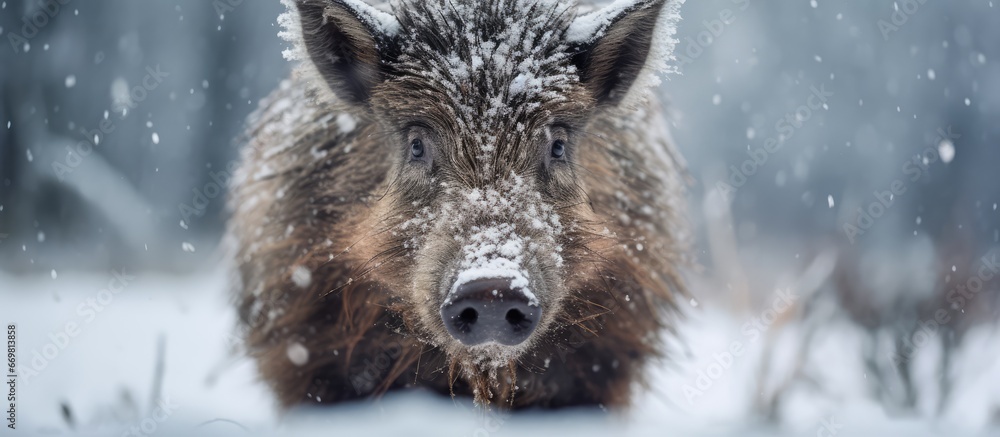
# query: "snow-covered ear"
{"type": "Point", "coordinates": [346, 40]}
{"type": "Point", "coordinates": [620, 44]}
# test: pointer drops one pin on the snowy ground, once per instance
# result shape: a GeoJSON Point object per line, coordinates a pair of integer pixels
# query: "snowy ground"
{"type": "Point", "coordinates": [102, 379]}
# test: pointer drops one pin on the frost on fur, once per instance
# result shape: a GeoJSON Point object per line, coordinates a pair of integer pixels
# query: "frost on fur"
{"type": "Point", "coordinates": [475, 194]}
{"type": "Point", "coordinates": [536, 22]}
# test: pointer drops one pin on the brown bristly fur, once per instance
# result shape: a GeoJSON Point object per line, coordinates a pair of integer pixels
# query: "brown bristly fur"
{"type": "Point", "coordinates": [326, 260]}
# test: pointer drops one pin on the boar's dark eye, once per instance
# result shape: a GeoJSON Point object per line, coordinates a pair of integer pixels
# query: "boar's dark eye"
{"type": "Point", "coordinates": [558, 149]}
{"type": "Point", "coordinates": [417, 148]}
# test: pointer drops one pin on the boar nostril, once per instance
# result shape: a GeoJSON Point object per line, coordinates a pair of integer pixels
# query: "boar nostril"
{"type": "Point", "coordinates": [466, 319]}
{"type": "Point", "coordinates": [516, 319]}
{"type": "Point", "coordinates": [490, 310]}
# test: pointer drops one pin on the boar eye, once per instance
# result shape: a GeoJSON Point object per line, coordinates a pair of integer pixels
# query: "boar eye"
{"type": "Point", "coordinates": [417, 148]}
{"type": "Point", "coordinates": [558, 149]}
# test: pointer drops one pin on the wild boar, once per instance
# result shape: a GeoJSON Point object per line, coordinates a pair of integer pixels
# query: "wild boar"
{"type": "Point", "coordinates": [476, 198]}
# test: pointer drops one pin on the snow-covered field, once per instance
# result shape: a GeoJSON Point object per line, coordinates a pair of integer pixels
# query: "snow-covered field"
{"type": "Point", "coordinates": [103, 374]}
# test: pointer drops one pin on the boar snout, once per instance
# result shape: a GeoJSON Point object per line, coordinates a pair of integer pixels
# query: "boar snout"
{"type": "Point", "coordinates": [491, 310]}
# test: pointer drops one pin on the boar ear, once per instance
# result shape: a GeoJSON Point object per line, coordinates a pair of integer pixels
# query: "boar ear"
{"type": "Point", "coordinates": [347, 41]}
{"type": "Point", "coordinates": [617, 45]}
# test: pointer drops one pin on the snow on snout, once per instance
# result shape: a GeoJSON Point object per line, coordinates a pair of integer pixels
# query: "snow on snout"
{"type": "Point", "coordinates": [495, 252]}
{"type": "Point", "coordinates": [516, 236]}
{"type": "Point", "coordinates": [520, 229]}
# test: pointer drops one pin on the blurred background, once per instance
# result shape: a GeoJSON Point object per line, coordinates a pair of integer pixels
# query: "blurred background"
{"type": "Point", "coordinates": [844, 159]}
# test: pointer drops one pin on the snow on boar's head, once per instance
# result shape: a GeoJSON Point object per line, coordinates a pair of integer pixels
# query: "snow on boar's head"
{"type": "Point", "coordinates": [484, 229]}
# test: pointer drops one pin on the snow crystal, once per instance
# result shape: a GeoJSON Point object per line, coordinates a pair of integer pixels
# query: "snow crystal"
{"type": "Point", "coordinates": [291, 32]}
{"type": "Point", "coordinates": [187, 247]}
{"type": "Point", "coordinates": [589, 27]}
{"type": "Point", "coordinates": [301, 276]}
{"type": "Point", "coordinates": [499, 268]}
{"type": "Point", "coordinates": [287, 113]}
{"type": "Point", "coordinates": [381, 21]}
{"type": "Point", "coordinates": [829, 201]}
{"type": "Point", "coordinates": [346, 123]}
{"type": "Point", "coordinates": [525, 83]}
{"type": "Point", "coordinates": [263, 172]}
{"type": "Point", "coordinates": [384, 22]}
{"type": "Point", "coordinates": [70, 81]}
{"type": "Point", "coordinates": [317, 153]}
{"type": "Point", "coordinates": [156, 138]}
{"type": "Point", "coordinates": [120, 93]}
{"type": "Point", "coordinates": [947, 151]}
{"type": "Point", "coordinates": [297, 353]}
{"type": "Point", "coordinates": [53, 274]}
